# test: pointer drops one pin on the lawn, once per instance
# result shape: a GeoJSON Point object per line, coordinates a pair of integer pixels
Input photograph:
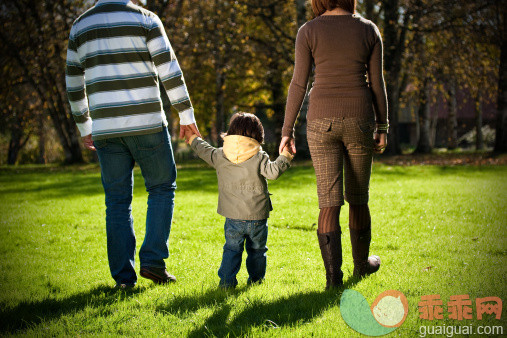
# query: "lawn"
{"type": "Point", "coordinates": [439, 230]}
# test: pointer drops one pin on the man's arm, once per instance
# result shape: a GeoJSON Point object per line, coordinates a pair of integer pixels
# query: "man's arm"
{"type": "Point", "coordinates": [169, 71]}
{"type": "Point", "coordinates": [76, 92]}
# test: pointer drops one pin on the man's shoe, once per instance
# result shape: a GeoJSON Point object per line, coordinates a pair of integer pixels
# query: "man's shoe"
{"type": "Point", "coordinates": [157, 275]}
{"type": "Point", "coordinates": [124, 286]}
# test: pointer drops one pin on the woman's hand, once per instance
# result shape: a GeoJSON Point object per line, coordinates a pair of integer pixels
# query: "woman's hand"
{"type": "Point", "coordinates": [380, 142]}
{"type": "Point", "coordinates": [289, 142]}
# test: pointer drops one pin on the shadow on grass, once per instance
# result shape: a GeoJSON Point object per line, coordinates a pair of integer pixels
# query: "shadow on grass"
{"type": "Point", "coordinates": [185, 304]}
{"type": "Point", "coordinates": [288, 226]}
{"type": "Point", "coordinates": [58, 185]}
{"type": "Point", "coordinates": [31, 313]}
{"type": "Point", "coordinates": [51, 185]}
{"type": "Point", "coordinates": [285, 311]}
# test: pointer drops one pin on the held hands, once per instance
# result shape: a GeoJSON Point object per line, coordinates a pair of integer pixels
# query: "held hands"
{"type": "Point", "coordinates": [188, 134]}
{"type": "Point", "coordinates": [288, 144]}
{"type": "Point", "coordinates": [188, 131]}
{"type": "Point", "coordinates": [380, 142]}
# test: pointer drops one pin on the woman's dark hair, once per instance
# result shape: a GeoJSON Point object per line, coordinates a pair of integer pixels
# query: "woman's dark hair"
{"type": "Point", "coordinates": [320, 6]}
{"type": "Point", "coordinates": [246, 124]}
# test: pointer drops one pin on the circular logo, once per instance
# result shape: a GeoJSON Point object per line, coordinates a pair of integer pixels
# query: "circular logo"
{"type": "Point", "coordinates": [390, 308]}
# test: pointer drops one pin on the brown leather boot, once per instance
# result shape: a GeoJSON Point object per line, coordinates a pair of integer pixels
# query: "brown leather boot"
{"type": "Point", "coordinates": [331, 249]}
{"type": "Point", "coordinates": [360, 240]}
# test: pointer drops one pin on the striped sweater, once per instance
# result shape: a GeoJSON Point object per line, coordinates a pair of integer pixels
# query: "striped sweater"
{"type": "Point", "coordinates": [117, 54]}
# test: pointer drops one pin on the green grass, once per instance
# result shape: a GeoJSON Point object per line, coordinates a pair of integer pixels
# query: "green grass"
{"type": "Point", "coordinates": [439, 230]}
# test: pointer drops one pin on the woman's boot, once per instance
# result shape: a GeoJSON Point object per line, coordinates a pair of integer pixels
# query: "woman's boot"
{"type": "Point", "coordinates": [360, 238]}
{"type": "Point", "coordinates": [331, 249]}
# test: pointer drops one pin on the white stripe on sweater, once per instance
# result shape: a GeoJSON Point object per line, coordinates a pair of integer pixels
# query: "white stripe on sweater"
{"type": "Point", "coordinates": [178, 94]}
{"type": "Point", "coordinates": [72, 57]}
{"type": "Point", "coordinates": [124, 122]}
{"type": "Point", "coordinates": [106, 44]}
{"type": "Point", "coordinates": [158, 44]}
{"type": "Point", "coordinates": [168, 69]}
{"type": "Point", "coordinates": [123, 97]}
{"type": "Point", "coordinates": [113, 18]}
{"type": "Point", "coordinates": [79, 107]}
{"type": "Point", "coordinates": [74, 82]}
{"type": "Point", "coordinates": [123, 69]}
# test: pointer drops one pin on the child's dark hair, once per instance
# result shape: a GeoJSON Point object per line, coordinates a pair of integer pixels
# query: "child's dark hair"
{"type": "Point", "coordinates": [246, 124]}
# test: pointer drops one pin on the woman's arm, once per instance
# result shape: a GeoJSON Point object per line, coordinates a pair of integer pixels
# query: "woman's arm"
{"type": "Point", "coordinates": [376, 78]}
{"type": "Point", "coordinates": [297, 88]}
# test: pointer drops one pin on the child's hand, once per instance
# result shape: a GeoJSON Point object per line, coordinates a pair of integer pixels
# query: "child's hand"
{"type": "Point", "coordinates": [288, 149]}
{"type": "Point", "coordinates": [188, 134]}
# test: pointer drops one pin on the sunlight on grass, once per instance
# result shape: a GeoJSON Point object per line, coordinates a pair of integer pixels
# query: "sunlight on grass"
{"type": "Point", "coordinates": [439, 230]}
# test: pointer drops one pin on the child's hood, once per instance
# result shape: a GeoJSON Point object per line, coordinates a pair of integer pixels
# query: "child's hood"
{"type": "Point", "coordinates": [239, 148]}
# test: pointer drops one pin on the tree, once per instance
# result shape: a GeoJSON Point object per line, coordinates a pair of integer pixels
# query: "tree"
{"type": "Point", "coordinates": [273, 31]}
{"type": "Point", "coordinates": [16, 109]}
{"type": "Point", "coordinates": [501, 124]}
{"type": "Point", "coordinates": [34, 35]}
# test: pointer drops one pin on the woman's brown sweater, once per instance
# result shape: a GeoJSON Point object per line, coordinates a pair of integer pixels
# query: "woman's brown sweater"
{"type": "Point", "coordinates": [347, 53]}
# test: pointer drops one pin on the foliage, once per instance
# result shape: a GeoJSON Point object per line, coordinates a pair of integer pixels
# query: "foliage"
{"type": "Point", "coordinates": [238, 55]}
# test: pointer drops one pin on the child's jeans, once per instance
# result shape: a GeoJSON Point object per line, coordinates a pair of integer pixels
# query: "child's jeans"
{"type": "Point", "coordinates": [236, 232]}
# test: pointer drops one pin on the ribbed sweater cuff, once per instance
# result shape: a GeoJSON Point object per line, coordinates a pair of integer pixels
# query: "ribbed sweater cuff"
{"type": "Point", "coordinates": [287, 131]}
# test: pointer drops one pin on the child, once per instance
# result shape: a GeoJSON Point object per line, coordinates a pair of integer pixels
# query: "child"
{"type": "Point", "coordinates": [243, 198]}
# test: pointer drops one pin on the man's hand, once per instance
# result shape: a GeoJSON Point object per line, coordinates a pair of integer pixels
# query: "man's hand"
{"type": "Point", "coordinates": [192, 128]}
{"type": "Point", "coordinates": [287, 142]}
{"type": "Point", "coordinates": [380, 142]}
{"type": "Point", "coordinates": [88, 143]}
{"type": "Point", "coordinates": [188, 134]}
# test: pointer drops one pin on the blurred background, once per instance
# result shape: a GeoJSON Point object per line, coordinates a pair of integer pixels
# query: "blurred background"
{"type": "Point", "coordinates": [445, 72]}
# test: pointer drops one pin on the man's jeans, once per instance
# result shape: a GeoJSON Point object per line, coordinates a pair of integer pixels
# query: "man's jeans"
{"type": "Point", "coordinates": [236, 232]}
{"type": "Point", "coordinates": [153, 153]}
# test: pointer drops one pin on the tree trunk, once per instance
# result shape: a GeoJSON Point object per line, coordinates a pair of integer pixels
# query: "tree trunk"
{"type": "Point", "coordinates": [219, 105]}
{"type": "Point", "coordinates": [452, 118]}
{"type": "Point", "coordinates": [14, 148]}
{"type": "Point", "coordinates": [42, 140]}
{"type": "Point", "coordinates": [275, 83]}
{"type": "Point", "coordinates": [424, 142]}
{"type": "Point", "coordinates": [301, 12]}
{"type": "Point", "coordinates": [394, 43]}
{"type": "Point", "coordinates": [369, 10]}
{"type": "Point", "coordinates": [501, 121]}
{"type": "Point", "coordinates": [479, 138]}
{"type": "Point", "coordinates": [16, 143]}
{"type": "Point", "coordinates": [433, 129]}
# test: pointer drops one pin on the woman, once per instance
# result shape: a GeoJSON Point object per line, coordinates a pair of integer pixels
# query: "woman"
{"type": "Point", "coordinates": [347, 123]}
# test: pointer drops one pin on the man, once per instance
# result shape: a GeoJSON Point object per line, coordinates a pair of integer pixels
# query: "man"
{"type": "Point", "coordinates": [116, 55]}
